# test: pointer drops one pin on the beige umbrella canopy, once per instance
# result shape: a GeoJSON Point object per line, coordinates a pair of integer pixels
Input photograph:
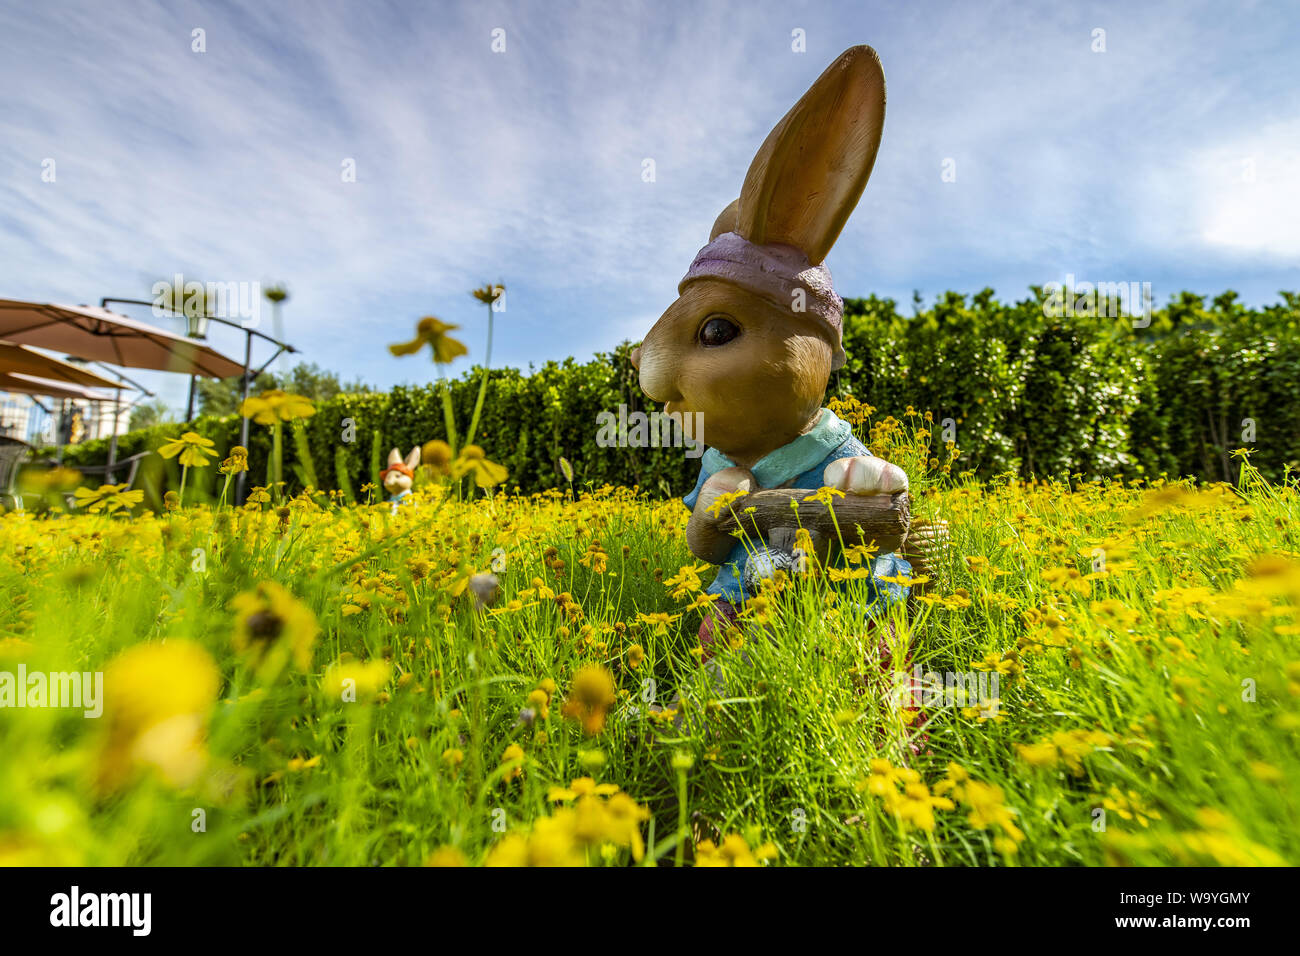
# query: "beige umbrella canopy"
{"type": "Point", "coordinates": [18, 359]}
{"type": "Point", "coordinates": [99, 334]}
{"type": "Point", "coordinates": [32, 385]}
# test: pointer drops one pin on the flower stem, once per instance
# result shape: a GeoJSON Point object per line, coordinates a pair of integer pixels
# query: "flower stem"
{"type": "Point", "coordinates": [449, 419]}
{"type": "Point", "coordinates": [277, 459]}
{"type": "Point", "coordinates": [482, 387]}
{"type": "Point", "coordinates": [679, 856]}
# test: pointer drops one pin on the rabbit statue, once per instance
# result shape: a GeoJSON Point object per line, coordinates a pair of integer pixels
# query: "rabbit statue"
{"type": "Point", "coordinates": [398, 477]}
{"type": "Point", "coordinates": [751, 341]}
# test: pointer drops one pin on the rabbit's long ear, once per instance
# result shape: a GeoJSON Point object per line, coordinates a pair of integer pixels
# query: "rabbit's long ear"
{"type": "Point", "coordinates": [811, 169]}
{"type": "Point", "coordinates": [413, 459]}
{"type": "Point", "coordinates": [726, 221]}
{"type": "Point", "coordinates": [394, 457]}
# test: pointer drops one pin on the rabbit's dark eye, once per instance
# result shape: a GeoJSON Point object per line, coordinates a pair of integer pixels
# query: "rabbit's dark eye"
{"type": "Point", "coordinates": [718, 331]}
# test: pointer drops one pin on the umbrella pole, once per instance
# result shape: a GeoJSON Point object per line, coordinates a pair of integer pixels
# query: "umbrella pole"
{"type": "Point", "coordinates": [58, 430]}
{"type": "Point", "coordinates": [117, 417]}
{"type": "Point", "coordinates": [243, 431]}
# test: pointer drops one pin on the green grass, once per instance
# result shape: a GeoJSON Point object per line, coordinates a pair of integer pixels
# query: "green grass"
{"type": "Point", "coordinates": [1191, 697]}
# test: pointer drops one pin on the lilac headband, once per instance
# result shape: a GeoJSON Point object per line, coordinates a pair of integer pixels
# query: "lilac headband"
{"type": "Point", "coordinates": [773, 272]}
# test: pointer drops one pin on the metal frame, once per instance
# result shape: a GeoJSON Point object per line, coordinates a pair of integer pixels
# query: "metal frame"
{"type": "Point", "coordinates": [117, 417]}
{"type": "Point", "coordinates": [247, 378]}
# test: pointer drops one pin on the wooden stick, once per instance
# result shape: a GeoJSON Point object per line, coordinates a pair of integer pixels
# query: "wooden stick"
{"type": "Point", "coordinates": [861, 519]}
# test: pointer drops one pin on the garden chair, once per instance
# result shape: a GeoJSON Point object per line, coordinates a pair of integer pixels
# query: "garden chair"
{"type": "Point", "coordinates": [12, 453]}
{"type": "Point", "coordinates": [131, 464]}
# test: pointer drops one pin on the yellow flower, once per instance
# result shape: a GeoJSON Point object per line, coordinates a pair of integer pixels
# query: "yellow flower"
{"type": "Point", "coordinates": [590, 697]}
{"type": "Point", "coordinates": [914, 805]}
{"type": "Point", "coordinates": [1272, 576]}
{"type": "Point", "coordinates": [659, 620]}
{"type": "Point", "coordinates": [1266, 772]}
{"type": "Point", "coordinates": [849, 574]}
{"type": "Point", "coordinates": [857, 553]}
{"type": "Point", "coordinates": [513, 755]}
{"type": "Point", "coordinates": [581, 787]}
{"type": "Point", "coordinates": [1128, 807]}
{"type": "Point", "coordinates": [567, 837]}
{"type": "Point", "coordinates": [472, 462]}
{"type": "Point", "coordinates": [271, 628]}
{"type": "Point", "coordinates": [702, 602]}
{"type": "Point", "coordinates": [985, 805]}
{"type": "Point", "coordinates": [512, 851]}
{"type": "Point", "coordinates": [432, 332]}
{"type": "Point", "coordinates": [1038, 755]}
{"type": "Point", "coordinates": [539, 701]}
{"type": "Point", "coordinates": [352, 682]}
{"type": "Point", "coordinates": [1068, 746]}
{"type": "Point", "coordinates": [489, 293]}
{"type": "Point", "coordinates": [1067, 579]}
{"type": "Point", "coordinates": [538, 589]}
{"type": "Point", "coordinates": [157, 700]}
{"type": "Point", "coordinates": [687, 581]}
{"type": "Point", "coordinates": [15, 648]}
{"type": "Point", "coordinates": [595, 558]}
{"type": "Point", "coordinates": [446, 856]}
{"type": "Point", "coordinates": [635, 656]}
{"type": "Point", "coordinates": [436, 455]}
{"type": "Point", "coordinates": [622, 822]}
{"type": "Point", "coordinates": [274, 405]}
{"type": "Point", "coordinates": [734, 852]}
{"type": "Point", "coordinates": [826, 495]}
{"type": "Point", "coordinates": [724, 500]}
{"type": "Point", "coordinates": [108, 498]}
{"type": "Point", "coordinates": [236, 463]}
{"type": "Point", "coordinates": [918, 805]}
{"type": "Point", "coordinates": [192, 448]}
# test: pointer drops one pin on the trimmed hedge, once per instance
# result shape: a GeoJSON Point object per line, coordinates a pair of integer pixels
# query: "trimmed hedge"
{"type": "Point", "coordinates": [1026, 394]}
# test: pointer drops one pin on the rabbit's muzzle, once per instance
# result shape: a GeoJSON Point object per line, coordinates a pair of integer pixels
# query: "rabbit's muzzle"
{"type": "Point", "coordinates": [656, 371]}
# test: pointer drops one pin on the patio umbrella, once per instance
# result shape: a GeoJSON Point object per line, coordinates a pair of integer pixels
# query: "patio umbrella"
{"type": "Point", "coordinates": [99, 334]}
{"type": "Point", "coordinates": [22, 384]}
{"type": "Point", "coordinates": [96, 332]}
{"type": "Point", "coordinates": [32, 385]}
{"type": "Point", "coordinates": [18, 359]}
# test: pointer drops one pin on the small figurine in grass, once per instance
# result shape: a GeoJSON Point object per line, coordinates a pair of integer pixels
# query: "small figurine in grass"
{"type": "Point", "coordinates": [398, 477]}
{"type": "Point", "coordinates": [748, 348]}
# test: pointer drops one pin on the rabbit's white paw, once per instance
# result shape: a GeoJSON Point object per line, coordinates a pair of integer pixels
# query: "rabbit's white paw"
{"type": "Point", "coordinates": [865, 475]}
{"type": "Point", "coordinates": [724, 482]}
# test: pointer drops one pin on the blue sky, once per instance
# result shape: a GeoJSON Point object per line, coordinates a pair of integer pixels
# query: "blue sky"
{"type": "Point", "coordinates": [1172, 158]}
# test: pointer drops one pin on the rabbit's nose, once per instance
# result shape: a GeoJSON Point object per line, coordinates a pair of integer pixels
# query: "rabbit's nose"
{"type": "Point", "coordinates": [656, 370]}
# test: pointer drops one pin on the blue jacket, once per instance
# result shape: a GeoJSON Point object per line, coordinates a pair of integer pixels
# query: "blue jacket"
{"type": "Point", "coordinates": [804, 460]}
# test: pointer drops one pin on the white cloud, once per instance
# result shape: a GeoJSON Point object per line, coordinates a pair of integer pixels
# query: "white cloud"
{"type": "Point", "coordinates": [526, 166]}
{"type": "Point", "coordinates": [1251, 193]}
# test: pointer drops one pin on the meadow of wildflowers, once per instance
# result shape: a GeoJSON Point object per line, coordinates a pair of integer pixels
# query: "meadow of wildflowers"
{"type": "Point", "coordinates": [487, 678]}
